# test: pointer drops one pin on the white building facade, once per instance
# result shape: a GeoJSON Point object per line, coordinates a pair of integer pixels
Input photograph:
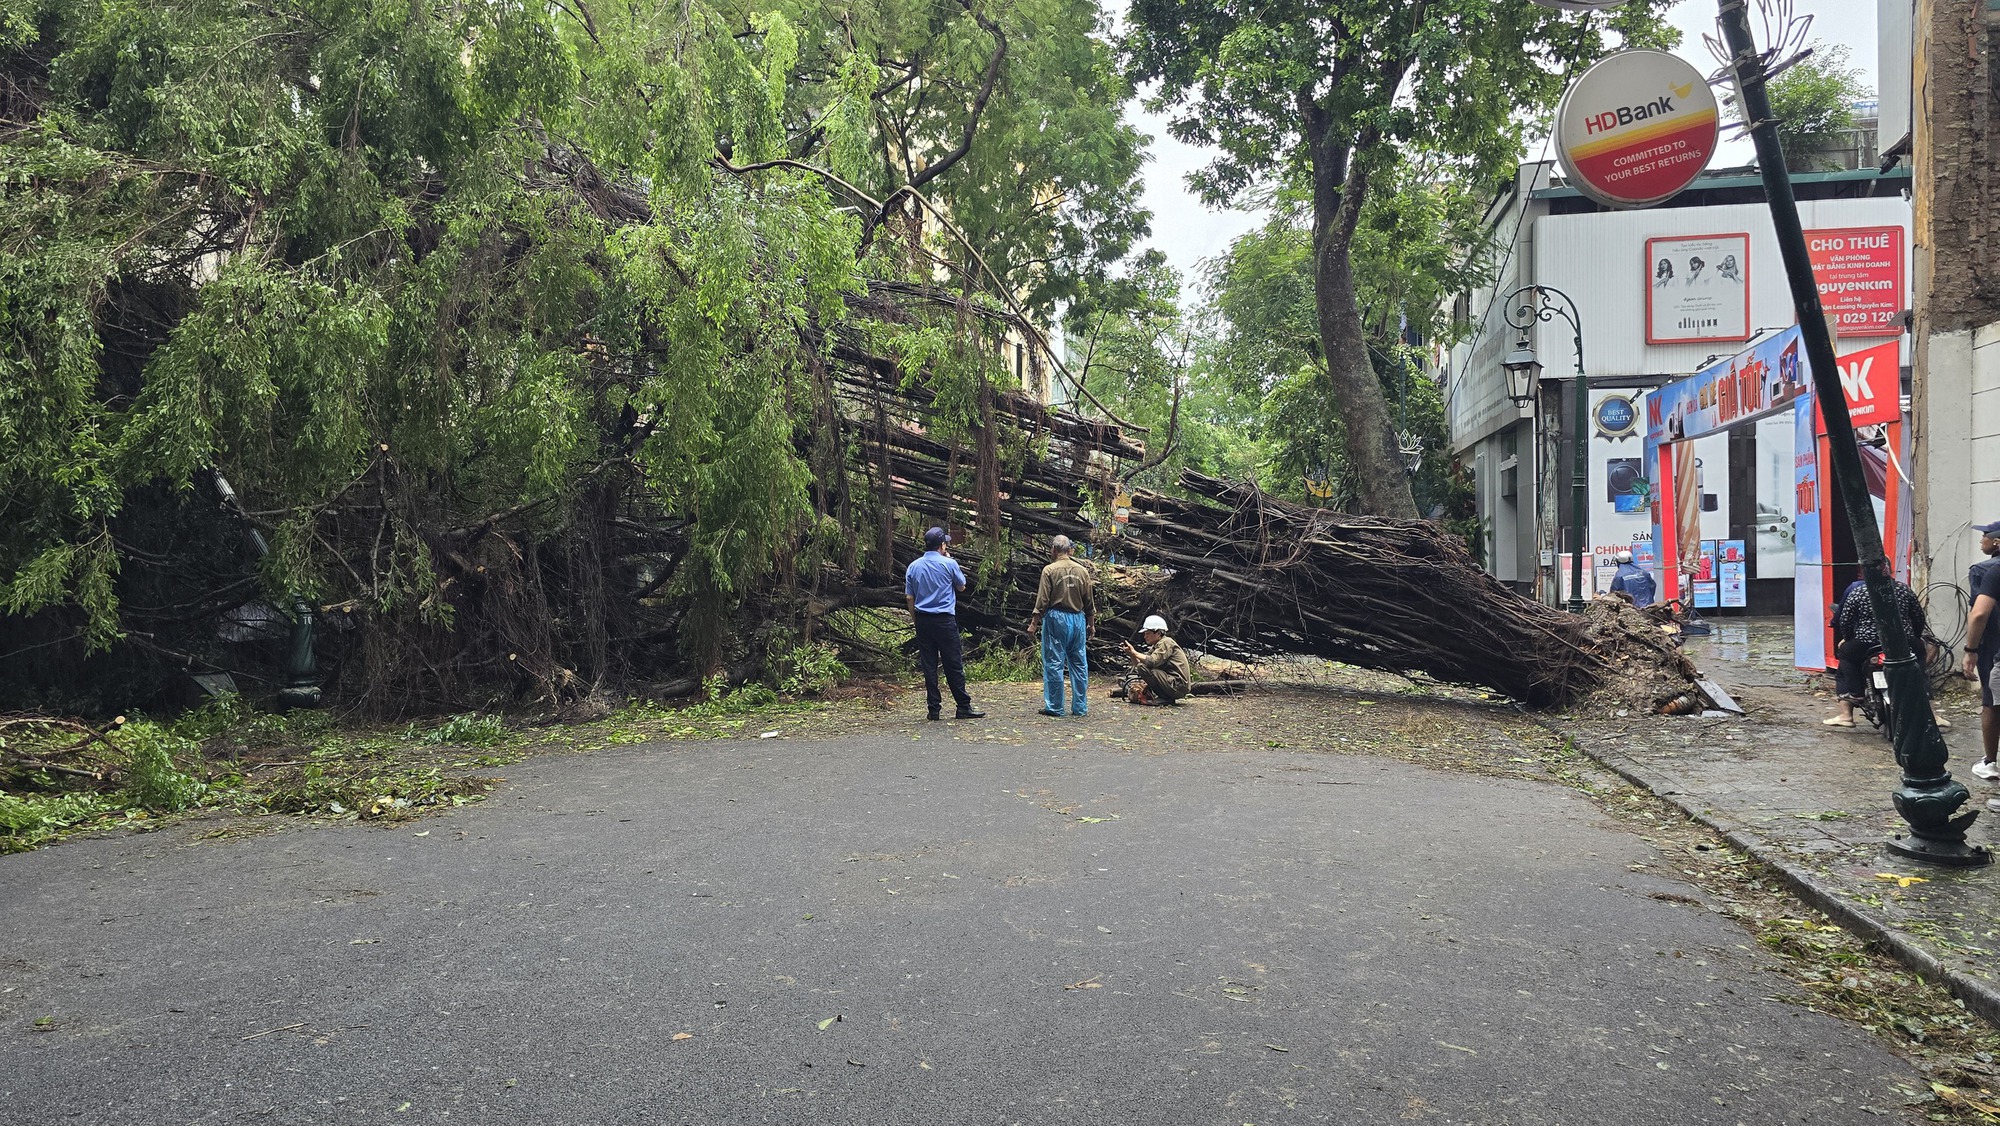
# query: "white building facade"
{"type": "Point", "coordinates": [1658, 294]}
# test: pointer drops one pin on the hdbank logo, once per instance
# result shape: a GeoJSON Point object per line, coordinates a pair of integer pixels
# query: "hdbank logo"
{"type": "Point", "coordinates": [1611, 119]}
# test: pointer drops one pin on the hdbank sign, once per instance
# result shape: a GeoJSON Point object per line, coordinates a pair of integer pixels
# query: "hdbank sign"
{"type": "Point", "coordinates": [1636, 128]}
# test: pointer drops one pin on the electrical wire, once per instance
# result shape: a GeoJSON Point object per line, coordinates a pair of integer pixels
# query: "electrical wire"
{"type": "Point", "coordinates": [1944, 667]}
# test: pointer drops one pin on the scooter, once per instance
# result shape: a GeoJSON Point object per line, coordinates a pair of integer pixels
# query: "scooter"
{"type": "Point", "coordinates": [1875, 696]}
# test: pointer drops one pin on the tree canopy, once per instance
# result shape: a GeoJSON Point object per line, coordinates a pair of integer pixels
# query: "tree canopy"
{"type": "Point", "coordinates": [1335, 96]}
{"type": "Point", "coordinates": [486, 309]}
{"type": "Point", "coordinates": [1813, 101]}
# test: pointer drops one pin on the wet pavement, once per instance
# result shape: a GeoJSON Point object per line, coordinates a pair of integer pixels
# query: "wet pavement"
{"type": "Point", "coordinates": [1364, 904]}
{"type": "Point", "coordinates": [1814, 802]}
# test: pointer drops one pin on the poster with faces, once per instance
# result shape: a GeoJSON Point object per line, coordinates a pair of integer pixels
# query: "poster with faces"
{"type": "Point", "coordinates": [1697, 288]}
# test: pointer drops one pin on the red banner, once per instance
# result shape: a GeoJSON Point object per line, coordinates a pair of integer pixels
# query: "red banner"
{"type": "Point", "coordinates": [1873, 382]}
{"type": "Point", "coordinates": [1860, 276]}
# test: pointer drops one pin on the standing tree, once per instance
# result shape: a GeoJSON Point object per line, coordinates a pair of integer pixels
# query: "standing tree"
{"type": "Point", "coordinates": [1814, 103]}
{"type": "Point", "coordinates": [1336, 91]}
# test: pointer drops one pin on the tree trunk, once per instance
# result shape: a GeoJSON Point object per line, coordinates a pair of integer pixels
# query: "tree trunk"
{"type": "Point", "coordinates": [1381, 481]}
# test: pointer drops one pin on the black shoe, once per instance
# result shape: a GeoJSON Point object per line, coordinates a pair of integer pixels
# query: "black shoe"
{"type": "Point", "coordinates": [970, 713]}
{"type": "Point", "coordinates": [1047, 712]}
{"type": "Point", "coordinates": [933, 716]}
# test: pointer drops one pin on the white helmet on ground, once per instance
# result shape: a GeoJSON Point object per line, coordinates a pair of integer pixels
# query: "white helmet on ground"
{"type": "Point", "coordinates": [1154, 622]}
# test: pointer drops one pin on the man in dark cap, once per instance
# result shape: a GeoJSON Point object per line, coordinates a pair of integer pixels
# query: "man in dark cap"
{"type": "Point", "coordinates": [1982, 643]}
{"type": "Point", "coordinates": [931, 587]}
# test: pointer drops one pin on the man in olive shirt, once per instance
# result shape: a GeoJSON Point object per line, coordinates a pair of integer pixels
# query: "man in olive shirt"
{"type": "Point", "coordinates": [1163, 673]}
{"type": "Point", "coordinates": [1066, 616]}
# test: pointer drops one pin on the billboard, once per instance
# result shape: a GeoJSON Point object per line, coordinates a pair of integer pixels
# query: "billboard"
{"type": "Point", "coordinates": [1697, 288]}
{"type": "Point", "coordinates": [1809, 589]}
{"type": "Point", "coordinates": [1859, 271]}
{"type": "Point", "coordinates": [1749, 385]}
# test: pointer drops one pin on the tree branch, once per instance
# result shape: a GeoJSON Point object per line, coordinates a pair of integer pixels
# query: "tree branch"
{"type": "Point", "coordinates": [987, 82]}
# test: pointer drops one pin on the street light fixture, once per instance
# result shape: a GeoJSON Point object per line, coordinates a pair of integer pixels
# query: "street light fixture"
{"type": "Point", "coordinates": [1524, 308]}
{"type": "Point", "coordinates": [1524, 372]}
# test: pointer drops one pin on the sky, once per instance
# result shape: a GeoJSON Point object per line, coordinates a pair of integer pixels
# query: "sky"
{"type": "Point", "coordinates": [1187, 232]}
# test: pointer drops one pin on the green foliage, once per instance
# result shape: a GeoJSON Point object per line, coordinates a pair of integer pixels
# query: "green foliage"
{"type": "Point", "coordinates": [1156, 365]}
{"type": "Point", "coordinates": [152, 780]}
{"type": "Point", "coordinates": [871, 640]}
{"type": "Point", "coordinates": [458, 295]}
{"type": "Point", "coordinates": [1813, 101]}
{"type": "Point", "coordinates": [234, 717]}
{"type": "Point", "coordinates": [1362, 107]}
{"type": "Point", "coordinates": [1419, 240]}
{"type": "Point", "coordinates": [1264, 82]}
{"type": "Point", "coordinates": [468, 730]}
{"type": "Point", "coordinates": [997, 662]}
{"type": "Point", "coordinates": [28, 820]}
{"type": "Point", "coordinates": [392, 796]}
{"type": "Point", "coordinates": [808, 669]}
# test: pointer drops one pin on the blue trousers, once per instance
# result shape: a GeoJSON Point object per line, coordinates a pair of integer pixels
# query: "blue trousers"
{"type": "Point", "coordinates": [1062, 650]}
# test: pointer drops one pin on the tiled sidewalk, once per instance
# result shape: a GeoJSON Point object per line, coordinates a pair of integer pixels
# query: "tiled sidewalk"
{"type": "Point", "coordinates": [1814, 802]}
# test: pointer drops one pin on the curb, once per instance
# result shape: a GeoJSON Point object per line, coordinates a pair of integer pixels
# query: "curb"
{"type": "Point", "coordinates": [1979, 997]}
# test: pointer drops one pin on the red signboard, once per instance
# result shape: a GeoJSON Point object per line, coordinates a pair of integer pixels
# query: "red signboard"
{"type": "Point", "coordinates": [1860, 276]}
{"type": "Point", "coordinates": [1873, 382]}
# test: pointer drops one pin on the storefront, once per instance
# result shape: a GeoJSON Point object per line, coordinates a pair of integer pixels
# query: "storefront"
{"type": "Point", "coordinates": [1770, 382]}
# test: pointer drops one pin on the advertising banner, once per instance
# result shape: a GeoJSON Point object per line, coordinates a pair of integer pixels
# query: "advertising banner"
{"type": "Point", "coordinates": [1604, 564]}
{"type": "Point", "coordinates": [1755, 382]}
{"type": "Point", "coordinates": [1872, 382]}
{"type": "Point", "coordinates": [1730, 568]}
{"type": "Point", "coordinates": [1776, 507]}
{"type": "Point", "coordinates": [1860, 275]}
{"type": "Point", "coordinates": [1809, 577]}
{"type": "Point", "coordinates": [1564, 564]}
{"type": "Point", "coordinates": [1697, 288]}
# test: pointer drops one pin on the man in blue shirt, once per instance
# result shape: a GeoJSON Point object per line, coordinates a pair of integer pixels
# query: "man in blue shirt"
{"type": "Point", "coordinates": [1633, 580]}
{"type": "Point", "coordinates": [931, 587]}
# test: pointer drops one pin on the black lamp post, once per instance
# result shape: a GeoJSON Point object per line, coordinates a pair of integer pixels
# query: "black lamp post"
{"type": "Point", "coordinates": [1524, 307]}
{"type": "Point", "coordinates": [1929, 798]}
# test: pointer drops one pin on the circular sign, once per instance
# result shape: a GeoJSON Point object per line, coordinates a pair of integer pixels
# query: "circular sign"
{"type": "Point", "coordinates": [1636, 128]}
{"type": "Point", "coordinates": [1617, 417]}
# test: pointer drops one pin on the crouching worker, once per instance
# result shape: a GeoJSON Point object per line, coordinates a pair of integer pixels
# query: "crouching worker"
{"type": "Point", "coordinates": [1161, 675]}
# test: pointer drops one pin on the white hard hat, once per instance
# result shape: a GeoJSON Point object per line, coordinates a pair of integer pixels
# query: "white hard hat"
{"type": "Point", "coordinates": [1154, 622]}
{"type": "Point", "coordinates": [1624, 557]}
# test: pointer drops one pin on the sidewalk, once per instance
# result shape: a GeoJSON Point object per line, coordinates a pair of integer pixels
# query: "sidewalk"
{"type": "Point", "coordinates": [1813, 802]}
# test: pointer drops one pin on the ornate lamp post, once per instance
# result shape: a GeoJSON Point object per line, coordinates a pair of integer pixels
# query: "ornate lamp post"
{"type": "Point", "coordinates": [1929, 798]}
{"type": "Point", "coordinates": [1524, 308]}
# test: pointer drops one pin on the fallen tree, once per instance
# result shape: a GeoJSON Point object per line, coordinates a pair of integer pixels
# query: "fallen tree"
{"type": "Point", "coordinates": [1247, 576]}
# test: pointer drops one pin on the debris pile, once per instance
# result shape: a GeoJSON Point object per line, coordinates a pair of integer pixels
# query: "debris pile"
{"type": "Point", "coordinates": [1246, 576]}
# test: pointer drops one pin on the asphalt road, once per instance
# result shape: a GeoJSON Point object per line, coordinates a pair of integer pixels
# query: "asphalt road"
{"type": "Point", "coordinates": [894, 929]}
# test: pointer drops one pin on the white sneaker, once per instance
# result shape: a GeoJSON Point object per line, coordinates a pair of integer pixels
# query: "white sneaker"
{"type": "Point", "coordinates": [1987, 770]}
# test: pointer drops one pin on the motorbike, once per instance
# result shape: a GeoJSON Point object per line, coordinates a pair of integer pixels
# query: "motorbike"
{"type": "Point", "coordinates": [1875, 696]}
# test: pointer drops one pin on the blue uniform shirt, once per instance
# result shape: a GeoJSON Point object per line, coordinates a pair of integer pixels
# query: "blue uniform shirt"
{"type": "Point", "coordinates": [934, 582]}
{"type": "Point", "coordinates": [1635, 581]}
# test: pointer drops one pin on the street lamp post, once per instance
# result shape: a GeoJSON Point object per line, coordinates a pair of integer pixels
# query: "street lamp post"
{"type": "Point", "coordinates": [1524, 308]}
{"type": "Point", "coordinates": [1929, 798]}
